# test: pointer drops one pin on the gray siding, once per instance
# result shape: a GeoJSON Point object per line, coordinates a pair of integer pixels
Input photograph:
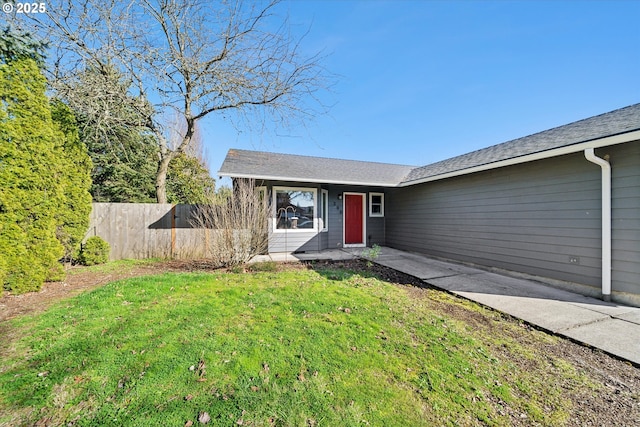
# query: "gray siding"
{"type": "Point", "coordinates": [375, 226]}
{"type": "Point", "coordinates": [334, 235]}
{"type": "Point", "coordinates": [625, 192]}
{"type": "Point", "coordinates": [294, 242]}
{"type": "Point", "coordinates": [540, 218]}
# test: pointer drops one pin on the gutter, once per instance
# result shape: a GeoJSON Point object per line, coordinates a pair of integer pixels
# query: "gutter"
{"type": "Point", "coordinates": [309, 180]}
{"type": "Point", "coordinates": [605, 166]}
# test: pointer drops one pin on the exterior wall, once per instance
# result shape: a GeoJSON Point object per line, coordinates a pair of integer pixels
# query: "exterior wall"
{"type": "Point", "coordinates": [334, 235]}
{"type": "Point", "coordinates": [375, 226]}
{"type": "Point", "coordinates": [625, 217]}
{"type": "Point", "coordinates": [298, 241]}
{"type": "Point", "coordinates": [541, 218]}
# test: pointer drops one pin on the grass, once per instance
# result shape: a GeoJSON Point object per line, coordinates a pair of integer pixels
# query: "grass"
{"type": "Point", "coordinates": [291, 348]}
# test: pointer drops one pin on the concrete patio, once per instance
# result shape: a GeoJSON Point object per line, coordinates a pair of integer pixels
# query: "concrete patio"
{"type": "Point", "coordinates": [611, 327]}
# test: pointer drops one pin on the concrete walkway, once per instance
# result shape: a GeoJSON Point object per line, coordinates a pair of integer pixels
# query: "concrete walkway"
{"type": "Point", "coordinates": [610, 327]}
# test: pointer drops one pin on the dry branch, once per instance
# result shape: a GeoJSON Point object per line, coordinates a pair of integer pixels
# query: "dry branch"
{"type": "Point", "coordinates": [236, 228]}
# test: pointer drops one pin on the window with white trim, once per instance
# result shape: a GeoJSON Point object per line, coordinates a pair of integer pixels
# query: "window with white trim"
{"type": "Point", "coordinates": [295, 208]}
{"type": "Point", "coordinates": [376, 204]}
{"type": "Point", "coordinates": [324, 212]}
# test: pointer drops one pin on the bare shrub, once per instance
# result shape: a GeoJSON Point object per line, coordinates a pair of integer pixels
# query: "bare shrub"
{"type": "Point", "coordinates": [236, 226]}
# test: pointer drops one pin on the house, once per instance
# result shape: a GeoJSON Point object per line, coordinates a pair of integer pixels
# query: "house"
{"type": "Point", "coordinates": [562, 204]}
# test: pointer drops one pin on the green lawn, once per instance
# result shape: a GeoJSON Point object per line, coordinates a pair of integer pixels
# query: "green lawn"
{"type": "Point", "coordinates": [300, 347]}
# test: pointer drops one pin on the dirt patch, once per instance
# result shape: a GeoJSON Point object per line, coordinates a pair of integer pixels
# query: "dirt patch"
{"type": "Point", "coordinates": [613, 400]}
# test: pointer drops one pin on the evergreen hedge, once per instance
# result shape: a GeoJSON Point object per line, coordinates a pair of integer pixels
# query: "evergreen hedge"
{"type": "Point", "coordinates": [31, 179]}
{"type": "Point", "coordinates": [73, 213]}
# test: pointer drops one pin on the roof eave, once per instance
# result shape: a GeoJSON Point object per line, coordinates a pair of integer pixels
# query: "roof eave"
{"type": "Point", "coordinates": [575, 148]}
{"type": "Point", "coordinates": [309, 180]}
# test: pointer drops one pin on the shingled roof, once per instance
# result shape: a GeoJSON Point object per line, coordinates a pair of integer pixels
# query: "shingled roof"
{"type": "Point", "coordinates": [572, 137]}
{"type": "Point", "coordinates": [609, 124]}
{"type": "Point", "coordinates": [291, 167]}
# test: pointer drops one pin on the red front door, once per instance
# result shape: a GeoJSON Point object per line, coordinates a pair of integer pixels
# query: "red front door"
{"type": "Point", "coordinates": [353, 219]}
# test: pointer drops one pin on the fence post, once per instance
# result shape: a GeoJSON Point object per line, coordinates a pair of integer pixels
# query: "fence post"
{"type": "Point", "coordinates": [173, 231]}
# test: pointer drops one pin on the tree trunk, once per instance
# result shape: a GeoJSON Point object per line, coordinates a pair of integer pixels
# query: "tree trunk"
{"type": "Point", "coordinates": [167, 155]}
{"type": "Point", "coordinates": [161, 176]}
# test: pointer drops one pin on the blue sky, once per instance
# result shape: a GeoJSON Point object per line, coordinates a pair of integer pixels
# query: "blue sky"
{"type": "Point", "coordinates": [422, 81]}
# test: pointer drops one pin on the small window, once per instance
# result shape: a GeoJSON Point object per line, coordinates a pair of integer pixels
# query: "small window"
{"type": "Point", "coordinates": [324, 213]}
{"type": "Point", "coordinates": [376, 204]}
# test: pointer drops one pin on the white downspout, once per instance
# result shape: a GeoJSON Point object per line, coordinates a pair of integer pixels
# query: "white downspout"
{"type": "Point", "coordinates": [606, 220]}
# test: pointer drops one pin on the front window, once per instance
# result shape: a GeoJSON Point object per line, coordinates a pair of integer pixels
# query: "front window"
{"type": "Point", "coordinates": [295, 208]}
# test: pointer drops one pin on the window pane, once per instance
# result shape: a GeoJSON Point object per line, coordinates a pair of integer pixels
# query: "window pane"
{"type": "Point", "coordinates": [376, 204]}
{"type": "Point", "coordinates": [325, 210]}
{"type": "Point", "coordinates": [294, 209]}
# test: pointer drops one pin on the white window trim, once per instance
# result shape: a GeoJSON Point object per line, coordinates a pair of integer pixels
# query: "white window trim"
{"type": "Point", "coordinates": [324, 197]}
{"type": "Point", "coordinates": [275, 211]}
{"type": "Point", "coordinates": [371, 213]}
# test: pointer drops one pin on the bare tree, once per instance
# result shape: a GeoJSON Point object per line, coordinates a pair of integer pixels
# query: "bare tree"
{"type": "Point", "coordinates": [196, 148]}
{"type": "Point", "coordinates": [236, 227]}
{"type": "Point", "coordinates": [192, 57]}
{"type": "Point", "coordinates": [188, 179]}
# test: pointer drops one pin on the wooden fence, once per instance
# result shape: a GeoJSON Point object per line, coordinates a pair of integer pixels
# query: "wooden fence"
{"type": "Point", "coordinates": [148, 230]}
